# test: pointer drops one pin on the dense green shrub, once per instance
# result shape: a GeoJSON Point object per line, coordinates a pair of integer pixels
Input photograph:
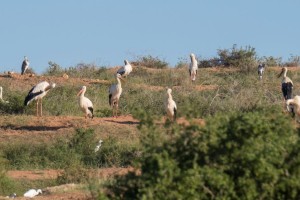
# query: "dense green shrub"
{"type": "Point", "coordinates": [234, 156]}
{"type": "Point", "coordinates": [244, 59]}
{"type": "Point", "coordinates": [150, 62]}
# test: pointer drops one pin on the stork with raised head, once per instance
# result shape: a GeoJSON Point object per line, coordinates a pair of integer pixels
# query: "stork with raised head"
{"type": "Point", "coordinates": [260, 70]}
{"type": "Point", "coordinates": [125, 70]}
{"type": "Point", "coordinates": [85, 104]}
{"type": "Point", "coordinates": [25, 65]}
{"type": "Point", "coordinates": [193, 68]}
{"type": "Point", "coordinates": [286, 84]}
{"type": "Point", "coordinates": [295, 104]}
{"type": "Point", "coordinates": [1, 98]}
{"type": "Point", "coordinates": [170, 106]}
{"type": "Point", "coordinates": [115, 92]}
{"type": "Point", "coordinates": [37, 93]}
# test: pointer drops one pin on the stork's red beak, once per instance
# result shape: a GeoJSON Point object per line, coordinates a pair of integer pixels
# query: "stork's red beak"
{"type": "Point", "coordinates": [280, 73]}
{"type": "Point", "coordinates": [79, 92]}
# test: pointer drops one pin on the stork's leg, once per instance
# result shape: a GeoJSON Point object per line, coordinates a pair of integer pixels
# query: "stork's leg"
{"type": "Point", "coordinates": [37, 108]}
{"type": "Point", "coordinates": [117, 109]}
{"type": "Point", "coordinates": [41, 107]}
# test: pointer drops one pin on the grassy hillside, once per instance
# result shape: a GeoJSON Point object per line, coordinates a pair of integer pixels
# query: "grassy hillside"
{"type": "Point", "coordinates": [62, 140]}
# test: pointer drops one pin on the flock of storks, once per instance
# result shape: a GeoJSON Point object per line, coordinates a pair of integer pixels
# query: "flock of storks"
{"type": "Point", "coordinates": [115, 90]}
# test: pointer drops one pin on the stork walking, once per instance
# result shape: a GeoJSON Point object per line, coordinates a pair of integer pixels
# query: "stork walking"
{"type": "Point", "coordinates": [85, 104]}
{"type": "Point", "coordinates": [25, 65]}
{"type": "Point", "coordinates": [125, 70]}
{"type": "Point", "coordinates": [193, 68]}
{"type": "Point", "coordinates": [115, 92]}
{"type": "Point", "coordinates": [1, 98]}
{"type": "Point", "coordinates": [37, 93]}
{"type": "Point", "coordinates": [286, 84]}
{"type": "Point", "coordinates": [170, 106]}
{"type": "Point", "coordinates": [260, 70]}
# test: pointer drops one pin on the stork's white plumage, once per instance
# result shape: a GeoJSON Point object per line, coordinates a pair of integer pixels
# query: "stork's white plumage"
{"type": "Point", "coordinates": [170, 106]}
{"type": "Point", "coordinates": [37, 93]}
{"type": "Point", "coordinates": [295, 103]}
{"type": "Point", "coordinates": [193, 68]}
{"type": "Point", "coordinates": [260, 70]}
{"type": "Point", "coordinates": [32, 193]}
{"type": "Point", "coordinates": [1, 98]}
{"type": "Point", "coordinates": [85, 104]}
{"type": "Point", "coordinates": [286, 84]}
{"type": "Point", "coordinates": [115, 92]}
{"type": "Point", "coordinates": [98, 145]}
{"type": "Point", "coordinates": [25, 65]}
{"type": "Point", "coordinates": [126, 69]}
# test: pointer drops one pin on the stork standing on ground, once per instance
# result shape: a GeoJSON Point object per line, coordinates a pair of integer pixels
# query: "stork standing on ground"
{"type": "Point", "coordinates": [85, 104]}
{"type": "Point", "coordinates": [286, 84]}
{"type": "Point", "coordinates": [170, 106]}
{"type": "Point", "coordinates": [260, 70]}
{"type": "Point", "coordinates": [295, 103]}
{"type": "Point", "coordinates": [193, 68]}
{"type": "Point", "coordinates": [25, 65]}
{"type": "Point", "coordinates": [115, 92]}
{"type": "Point", "coordinates": [1, 99]}
{"type": "Point", "coordinates": [37, 93]}
{"type": "Point", "coordinates": [125, 70]}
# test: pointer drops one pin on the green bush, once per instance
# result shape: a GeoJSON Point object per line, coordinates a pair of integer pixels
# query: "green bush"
{"type": "Point", "coordinates": [244, 59]}
{"type": "Point", "coordinates": [234, 156]}
{"type": "Point", "coordinates": [150, 62]}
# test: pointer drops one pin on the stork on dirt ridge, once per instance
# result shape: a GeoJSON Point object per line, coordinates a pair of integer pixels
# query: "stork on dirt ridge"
{"type": "Point", "coordinates": [37, 93]}
{"type": "Point", "coordinates": [286, 84]}
{"type": "Point", "coordinates": [25, 65]}
{"type": "Point", "coordinates": [1, 99]}
{"type": "Point", "coordinates": [170, 106]}
{"type": "Point", "coordinates": [260, 70]}
{"type": "Point", "coordinates": [85, 104]}
{"type": "Point", "coordinates": [193, 68]}
{"type": "Point", "coordinates": [125, 70]}
{"type": "Point", "coordinates": [115, 92]}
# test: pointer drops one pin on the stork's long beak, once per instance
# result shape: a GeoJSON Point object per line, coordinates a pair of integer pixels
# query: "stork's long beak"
{"type": "Point", "coordinates": [124, 80]}
{"type": "Point", "coordinates": [280, 73]}
{"type": "Point", "coordinates": [79, 92]}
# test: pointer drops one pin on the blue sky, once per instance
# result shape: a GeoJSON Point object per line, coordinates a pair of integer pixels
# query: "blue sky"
{"type": "Point", "coordinates": [107, 32]}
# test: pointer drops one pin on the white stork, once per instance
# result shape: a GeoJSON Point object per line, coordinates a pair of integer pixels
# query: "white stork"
{"type": "Point", "coordinates": [1, 99]}
{"type": "Point", "coordinates": [25, 65]}
{"type": "Point", "coordinates": [170, 106]}
{"type": "Point", "coordinates": [286, 84]}
{"type": "Point", "coordinates": [260, 70]}
{"type": "Point", "coordinates": [115, 92]}
{"type": "Point", "coordinates": [85, 104]}
{"type": "Point", "coordinates": [125, 70]}
{"type": "Point", "coordinates": [37, 93]}
{"type": "Point", "coordinates": [295, 104]}
{"type": "Point", "coordinates": [193, 68]}
{"type": "Point", "coordinates": [98, 145]}
{"type": "Point", "coordinates": [32, 193]}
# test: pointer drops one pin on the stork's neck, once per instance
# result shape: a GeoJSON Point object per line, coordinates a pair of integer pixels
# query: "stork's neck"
{"type": "Point", "coordinates": [0, 92]}
{"type": "Point", "coordinates": [119, 83]}
{"type": "Point", "coordinates": [284, 74]}
{"type": "Point", "coordinates": [170, 96]}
